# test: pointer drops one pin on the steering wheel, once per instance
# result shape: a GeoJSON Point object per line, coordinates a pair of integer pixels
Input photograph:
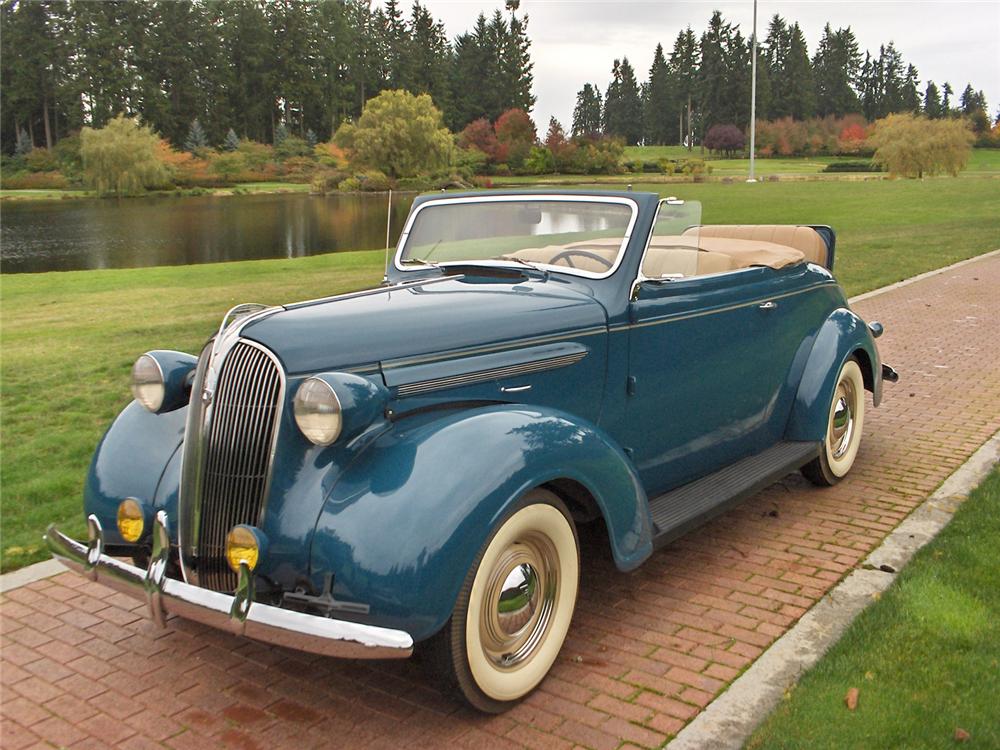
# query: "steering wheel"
{"type": "Point", "coordinates": [585, 253]}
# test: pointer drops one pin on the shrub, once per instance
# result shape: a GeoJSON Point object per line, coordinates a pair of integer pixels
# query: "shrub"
{"type": "Point", "coordinates": [327, 180]}
{"type": "Point", "coordinates": [695, 167]}
{"type": "Point", "coordinates": [228, 165]}
{"type": "Point", "coordinates": [515, 130]}
{"type": "Point", "coordinates": [911, 146]}
{"type": "Point", "coordinates": [852, 166]}
{"type": "Point", "coordinates": [724, 138]}
{"type": "Point", "coordinates": [329, 154]}
{"type": "Point", "coordinates": [121, 158]}
{"type": "Point", "coordinates": [470, 161]}
{"type": "Point", "coordinates": [402, 135]}
{"type": "Point", "coordinates": [372, 181]}
{"type": "Point", "coordinates": [291, 146]}
{"type": "Point", "coordinates": [67, 152]}
{"type": "Point", "coordinates": [667, 166]}
{"type": "Point", "coordinates": [257, 156]}
{"type": "Point", "coordinates": [33, 180]}
{"type": "Point", "coordinates": [598, 156]}
{"type": "Point", "coordinates": [479, 135]}
{"type": "Point", "coordinates": [540, 161]}
{"type": "Point", "coordinates": [299, 168]}
{"type": "Point", "coordinates": [41, 160]}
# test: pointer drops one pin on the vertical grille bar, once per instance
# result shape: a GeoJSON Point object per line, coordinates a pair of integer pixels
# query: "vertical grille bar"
{"type": "Point", "coordinates": [237, 456]}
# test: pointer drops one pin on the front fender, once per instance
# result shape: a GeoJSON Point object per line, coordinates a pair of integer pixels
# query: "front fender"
{"type": "Point", "coordinates": [404, 523]}
{"type": "Point", "coordinates": [137, 457]}
{"type": "Point", "coordinates": [842, 334]}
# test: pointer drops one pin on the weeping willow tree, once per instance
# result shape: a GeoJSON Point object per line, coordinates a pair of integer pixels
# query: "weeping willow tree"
{"type": "Point", "coordinates": [121, 158]}
{"type": "Point", "coordinates": [912, 146]}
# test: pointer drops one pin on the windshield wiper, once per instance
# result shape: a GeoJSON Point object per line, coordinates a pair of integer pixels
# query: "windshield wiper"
{"type": "Point", "coordinates": [420, 262]}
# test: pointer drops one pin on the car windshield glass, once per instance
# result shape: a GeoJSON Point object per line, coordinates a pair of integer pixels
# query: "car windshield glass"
{"type": "Point", "coordinates": [673, 250]}
{"type": "Point", "coordinates": [577, 236]}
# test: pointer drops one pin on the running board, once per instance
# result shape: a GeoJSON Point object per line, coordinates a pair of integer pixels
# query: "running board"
{"type": "Point", "coordinates": [680, 510]}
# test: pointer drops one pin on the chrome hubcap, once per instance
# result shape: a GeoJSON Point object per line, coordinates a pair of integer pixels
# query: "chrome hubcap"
{"type": "Point", "coordinates": [842, 420]}
{"type": "Point", "coordinates": [520, 599]}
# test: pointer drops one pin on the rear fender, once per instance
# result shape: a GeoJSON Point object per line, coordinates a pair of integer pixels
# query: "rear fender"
{"type": "Point", "coordinates": [841, 336]}
{"type": "Point", "coordinates": [406, 520]}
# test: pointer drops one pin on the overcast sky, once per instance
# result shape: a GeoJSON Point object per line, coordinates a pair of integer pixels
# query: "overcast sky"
{"type": "Point", "coordinates": [576, 41]}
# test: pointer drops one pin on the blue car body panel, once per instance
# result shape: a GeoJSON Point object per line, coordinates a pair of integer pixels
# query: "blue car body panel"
{"type": "Point", "coordinates": [489, 386]}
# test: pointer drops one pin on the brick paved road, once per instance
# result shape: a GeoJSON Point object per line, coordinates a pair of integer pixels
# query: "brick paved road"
{"type": "Point", "coordinates": [647, 650]}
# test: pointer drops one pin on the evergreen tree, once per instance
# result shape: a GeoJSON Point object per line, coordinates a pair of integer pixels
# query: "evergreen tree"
{"type": "Point", "coordinates": [280, 134]}
{"type": "Point", "coordinates": [232, 141]}
{"type": "Point", "coordinates": [797, 77]}
{"type": "Point", "coordinates": [911, 91]}
{"type": "Point", "coordinates": [24, 146]}
{"type": "Point", "coordinates": [196, 138]}
{"type": "Point", "coordinates": [777, 46]}
{"type": "Point", "coordinates": [429, 58]}
{"type": "Point", "coordinates": [311, 139]}
{"type": "Point", "coordinates": [683, 65]}
{"type": "Point", "coordinates": [932, 101]}
{"type": "Point", "coordinates": [659, 103]}
{"type": "Point", "coordinates": [587, 112]}
{"type": "Point", "coordinates": [623, 104]}
{"type": "Point", "coordinates": [946, 92]}
{"type": "Point", "coordinates": [836, 68]}
{"type": "Point", "coordinates": [713, 72]}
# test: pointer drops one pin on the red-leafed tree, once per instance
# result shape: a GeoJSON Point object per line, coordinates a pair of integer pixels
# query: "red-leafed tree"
{"type": "Point", "coordinates": [479, 134]}
{"type": "Point", "coordinates": [728, 138]}
{"type": "Point", "coordinates": [515, 130]}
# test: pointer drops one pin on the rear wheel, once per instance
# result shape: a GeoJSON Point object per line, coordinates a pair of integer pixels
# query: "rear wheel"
{"type": "Point", "coordinates": [515, 605]}
{"type": "Point", "coordinates": [843, 433]}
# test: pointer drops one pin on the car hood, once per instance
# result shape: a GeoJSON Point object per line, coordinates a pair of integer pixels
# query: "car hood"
{"type": "Point", "coordinates": [360, 331]}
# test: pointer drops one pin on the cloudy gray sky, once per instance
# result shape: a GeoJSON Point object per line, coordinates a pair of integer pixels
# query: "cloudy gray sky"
{"type": "Point", "coordinates": [575, 41]}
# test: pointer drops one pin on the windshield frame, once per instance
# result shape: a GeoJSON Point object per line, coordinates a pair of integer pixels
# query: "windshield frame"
{"type": "Point", "coordinates": [521, 198]}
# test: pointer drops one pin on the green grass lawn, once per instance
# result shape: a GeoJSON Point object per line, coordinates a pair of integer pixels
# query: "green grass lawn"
{"type": "Point", "coordinates": [925, 658]}
{"type": "Point", "coordinates": [69, 339]}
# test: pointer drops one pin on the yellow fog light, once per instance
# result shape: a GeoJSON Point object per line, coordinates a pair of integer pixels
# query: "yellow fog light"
{"type": "Point", "coordinates": [131, 520]}
{"type": "Point", "coordinates": [243, 545]}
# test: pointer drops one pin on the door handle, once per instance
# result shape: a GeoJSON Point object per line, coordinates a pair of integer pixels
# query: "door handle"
{"type": "Point", "coordinates": [769, 305]}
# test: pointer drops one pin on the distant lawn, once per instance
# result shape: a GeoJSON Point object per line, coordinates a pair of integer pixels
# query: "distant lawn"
{"type": "Point", "coordinates": [925, 658]}
{"type": "Point", "coordinates": [70, 338]}
{"type": "Point", "coordinates": [982, 160]}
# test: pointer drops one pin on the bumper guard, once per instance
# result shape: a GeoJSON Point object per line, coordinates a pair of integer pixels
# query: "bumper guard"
{"type": "Point", "coordinates": [237, 614]}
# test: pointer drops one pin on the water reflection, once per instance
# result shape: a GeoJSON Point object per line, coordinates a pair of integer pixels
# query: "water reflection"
{"type": "Point", "coordinates": [87, 234]}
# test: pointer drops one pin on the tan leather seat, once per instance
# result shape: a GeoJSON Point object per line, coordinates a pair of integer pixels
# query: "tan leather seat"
{"type": "Point", "coordinates": [682, 261]}
{"type": "Point", "coordinates": [802, 238]}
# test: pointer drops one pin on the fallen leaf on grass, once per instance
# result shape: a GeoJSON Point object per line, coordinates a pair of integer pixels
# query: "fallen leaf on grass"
{"type": "Point", "coordinates": [851, 699]}
{"type": "Point", "coordinates": [961, 735]}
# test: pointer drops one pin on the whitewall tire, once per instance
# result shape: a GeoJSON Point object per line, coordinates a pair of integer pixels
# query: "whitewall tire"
{"type": "Point", "coordinates": [845, 422]}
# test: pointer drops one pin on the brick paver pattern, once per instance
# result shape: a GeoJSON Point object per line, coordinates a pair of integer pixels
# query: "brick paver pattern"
{"type": "Point", "coordinates": [82, 667]}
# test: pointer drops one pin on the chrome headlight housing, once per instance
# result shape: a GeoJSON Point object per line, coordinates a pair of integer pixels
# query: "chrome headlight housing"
{"type": "Point", "coordinates": [318, 412]}
{"type": "Point", "coordinates": [338, 405]}
{"type": "Point", "coordinates": [148, 385]}
{"type": "Point", "coordinates": [161, 380]}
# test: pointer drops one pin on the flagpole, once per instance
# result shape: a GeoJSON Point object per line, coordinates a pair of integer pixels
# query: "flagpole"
{"type": "Point", "coordinates": [753, 97]}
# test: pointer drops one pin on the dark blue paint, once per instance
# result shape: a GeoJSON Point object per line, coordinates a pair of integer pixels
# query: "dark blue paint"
{"type": "Point", "coordinates": [398, 507]}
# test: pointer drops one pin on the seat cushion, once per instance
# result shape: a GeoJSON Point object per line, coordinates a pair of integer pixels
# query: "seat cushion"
{"type": "Point", "coordinates": [802, 238]}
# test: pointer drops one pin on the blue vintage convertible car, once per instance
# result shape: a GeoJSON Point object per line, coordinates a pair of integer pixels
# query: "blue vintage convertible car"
{"type": "Point", "coordinates": [409, 464]}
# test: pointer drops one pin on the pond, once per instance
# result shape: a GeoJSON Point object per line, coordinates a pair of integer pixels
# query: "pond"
{"type": "Point", "coordinates": [158, 231]}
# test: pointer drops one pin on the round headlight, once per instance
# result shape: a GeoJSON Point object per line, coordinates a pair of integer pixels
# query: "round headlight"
{"type": "Point", "coordinates": [242, 546]}
{"type": "Point", "coordinates": [318, 412]}
{"type": "Point", "coordinates": [131, 520]}
{"type": "Point", "coordinates": [147, 382]}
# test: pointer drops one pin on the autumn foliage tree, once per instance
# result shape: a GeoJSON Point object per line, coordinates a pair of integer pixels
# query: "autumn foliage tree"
{"type": "Point", "coordinates": [121, 158]}
{"type": "Point", "coordinates": [479, 134]}
{"type": "Point", "coordinates": [515, 130]}
{"type": "Point", "coordinates": [913, 146]}
{"type": "Point", "coordinates": [727, 138]}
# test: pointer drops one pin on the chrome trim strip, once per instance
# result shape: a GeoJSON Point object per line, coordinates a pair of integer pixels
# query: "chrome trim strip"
{"type": "Point", "coordinates": [551, 198]}
{"type": "Point", "coordinates": [727, 308]}
{"type": "Point", "coordinates": [261, 622]}
{"type": "Point", "coordinates": [500, 347]}
{"type": "Point", "coordinates": [495, 373]}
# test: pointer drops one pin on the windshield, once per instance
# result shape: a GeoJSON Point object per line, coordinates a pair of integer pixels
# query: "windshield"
{"type": "Point", "coordinates": [582, 235]}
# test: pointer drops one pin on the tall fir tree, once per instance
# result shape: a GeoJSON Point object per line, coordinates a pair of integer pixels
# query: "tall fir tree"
{"type": "Point", "coordinates": [932, 101]}
{"type": "Point", "coordinates": [836, 70]}
{"type": "Point", "coordinates": [659, 103]}
{"type": "Point", "coordinates": [587, 112]}
{"type": "Point", "coordinates": [623, 104]}
{"type": "Point", "coordinates": [683, 65]}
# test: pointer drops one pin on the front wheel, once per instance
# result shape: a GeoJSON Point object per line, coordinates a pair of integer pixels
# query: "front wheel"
{"type": "Point", "coordinates": [843, 432]}
{"type": "Point", "coordinates": [515, 605]}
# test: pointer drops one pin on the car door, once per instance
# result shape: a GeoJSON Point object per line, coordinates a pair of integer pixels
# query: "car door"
{"type": "Point", "coordinates": [709, 357]}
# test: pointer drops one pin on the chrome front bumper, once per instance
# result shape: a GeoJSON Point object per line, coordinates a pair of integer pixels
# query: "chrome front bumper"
{"type": "Point", "coordinates": [237, 614]}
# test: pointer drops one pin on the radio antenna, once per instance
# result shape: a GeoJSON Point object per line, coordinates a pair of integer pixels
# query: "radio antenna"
{"type": "Point", "coordinates": [388, 224]}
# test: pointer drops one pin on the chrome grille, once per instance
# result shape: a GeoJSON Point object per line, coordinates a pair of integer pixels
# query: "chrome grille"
{"type": "Point", "coordinates": [237, 454]}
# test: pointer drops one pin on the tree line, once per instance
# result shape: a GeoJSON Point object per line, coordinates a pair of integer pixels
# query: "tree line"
{"type": "Point", "coordinates": [706, 82]}
{"type": "Point", "coordinates": [252, 66]}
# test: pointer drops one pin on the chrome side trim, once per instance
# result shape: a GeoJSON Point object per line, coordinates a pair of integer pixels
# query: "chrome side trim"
{"type": "Point", "coordinates": [242, 616]}
{"type": "Point", "coordinates": [551, 198]}
{"type": "Point", "coordinates": [495, 373]}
